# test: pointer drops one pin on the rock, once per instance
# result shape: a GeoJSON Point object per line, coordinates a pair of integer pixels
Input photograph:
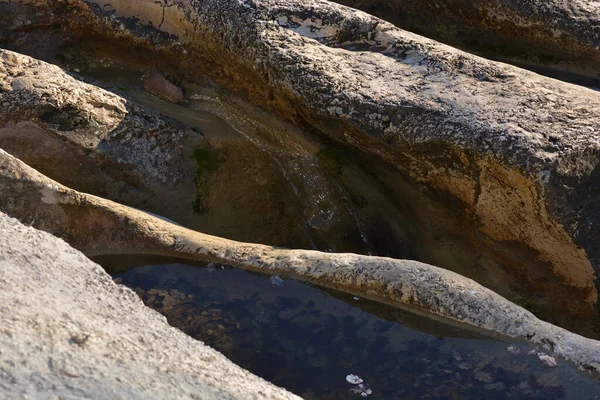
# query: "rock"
{"type": "Point", "coordinates": [556, 34]}
{"type": "Point", "coordinates": [130, 151]}
{"type": "Point", "coordinates": [94, 338]}
{"type": "Point", "coordinates": [506, 161]}
{"type": "Point", "coordinates": [91, 138]}
{"type": "Point", "coordinates": [483, 376]}
{"type": "Point", "coordinates": [97, 226]}
{"type": "Point", "coordinates": [160, 86]}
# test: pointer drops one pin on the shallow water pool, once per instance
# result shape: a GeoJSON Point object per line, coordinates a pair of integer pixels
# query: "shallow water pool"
{"type": "Point", "coordinates": [309, 341]}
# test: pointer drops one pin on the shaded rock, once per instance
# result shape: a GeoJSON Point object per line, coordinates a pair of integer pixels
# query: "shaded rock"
{"type": "Point", "coordinates": [94, 338]}
{"type": "Point", "coordinates": [160, 86]}
{"type": "Point", "coordinates": [98, 226]}
{"type": "Point", "coordinates": [98, 142]}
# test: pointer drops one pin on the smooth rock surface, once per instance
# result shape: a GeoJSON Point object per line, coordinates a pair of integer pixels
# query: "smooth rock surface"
{"type": "Point", "coordinates": [69, 332]}
{"type": "Point", "coordinates": [157, 84]}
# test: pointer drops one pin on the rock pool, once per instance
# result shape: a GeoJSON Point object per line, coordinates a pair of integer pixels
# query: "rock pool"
{"type": "Point", "coordinates": [310, 341]}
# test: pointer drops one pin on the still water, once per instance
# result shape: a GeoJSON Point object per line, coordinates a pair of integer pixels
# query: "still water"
{"type": "Point", "coordinates": [312, 342]}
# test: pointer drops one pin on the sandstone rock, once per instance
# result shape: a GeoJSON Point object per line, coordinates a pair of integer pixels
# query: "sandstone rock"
{"type": "Point", "coordinates": [95, 339]}
{"type": "Point", "coordinates": [556, 34]}
{"type": "Point", "coordinates": [193, 166]}
{"type": "Point", "coordinates": [97, 226]}
{"type": "Point", "coordinates": [118, 148]}
{"type": "Point", "coordinates": [510, 155]}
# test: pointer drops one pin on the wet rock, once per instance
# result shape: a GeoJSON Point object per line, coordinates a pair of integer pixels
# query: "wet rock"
{"type": "Point", "coordinates": [277, 281]}
{"type": "Point", "coordinates": [160, 86]}
{"type": "Point", "coordinates": [94, 338]}
{"type": "Point", "coordinates": [483, 376]}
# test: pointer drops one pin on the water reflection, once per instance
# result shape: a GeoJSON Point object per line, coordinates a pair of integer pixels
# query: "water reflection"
{"type": "Point", "coordinates": [309, 341]}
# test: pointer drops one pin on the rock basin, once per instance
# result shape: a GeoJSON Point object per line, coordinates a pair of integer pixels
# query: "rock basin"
{"type": "Point", "coordinates": [307, 340]}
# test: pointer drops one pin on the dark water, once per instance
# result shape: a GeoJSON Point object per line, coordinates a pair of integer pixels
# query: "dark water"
{"type": "Point", "coordinates": [308, 341]}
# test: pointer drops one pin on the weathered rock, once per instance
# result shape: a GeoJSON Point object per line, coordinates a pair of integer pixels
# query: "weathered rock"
{"type": "Point", "coordinates": [511, 155]}
{"type": "Point", "coordinates": [68, 331]}
{"type": "Point", "coordinates": [556, 34]}
{"type": "Point", "coordinates": [196, 172]}
{"type": "Point", "coordinates": [118, 149]}
{"type": "Point", "coordinates": [97, 226]}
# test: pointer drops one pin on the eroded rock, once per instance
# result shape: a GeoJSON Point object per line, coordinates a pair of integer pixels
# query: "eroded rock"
{"type": "Point", "coordinates": [507, 156]}
{"type": "Point", "coordinates": [97, 226]}
{"type": "Point", "coordinates": [94, 338]}
{"type": "Point", "coordinates": [557, 34]}
{"type": "Point", "coordinates": [196, 170]}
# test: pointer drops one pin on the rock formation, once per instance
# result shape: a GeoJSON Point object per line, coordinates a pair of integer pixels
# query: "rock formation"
{"type": "Point", "coordinates": [505, 160]}
{"type": "Point", "coordinates": [95, 339]}
{"type": "Point", "coordinates": [388, 142]}
{"type": "Point", "coordinates": [555, 35]}
{"type": "Point", "coordinates": [97, 226]}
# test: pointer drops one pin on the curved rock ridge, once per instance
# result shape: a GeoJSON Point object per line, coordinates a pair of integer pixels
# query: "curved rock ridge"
{"type": "Point", "coordinates": [95, 339]}
{"type": "Point", "coordinates": [557, 34]}
{"type": "Point", "coordinates": [513, 155]}
{"type": "Point", "coordinates": [98, 227]}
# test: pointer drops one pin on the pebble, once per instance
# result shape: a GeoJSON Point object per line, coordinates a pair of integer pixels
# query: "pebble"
{"type": "Point", "coordinates": [353, 379]}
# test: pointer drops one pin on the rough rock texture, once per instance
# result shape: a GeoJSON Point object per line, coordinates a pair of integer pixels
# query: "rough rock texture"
{"type": "Point", "coordinates": [513, 155]}
{"type": "Point", "coordinates": [557, 34]}
{"type": "Point", "coordinates": [196, 170]}
{"type": "Point", "coordinates": [97, 226]}
{"type": "Point", "coordinates": [93, 338]}
{"type": "Point", "coordinates": [118, 148]}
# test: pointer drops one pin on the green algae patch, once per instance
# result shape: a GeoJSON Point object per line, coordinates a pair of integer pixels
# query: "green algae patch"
{"type": "Point", "coordinates": [335, 158]}
{"type": "Point", "coordinates": [207, 162]}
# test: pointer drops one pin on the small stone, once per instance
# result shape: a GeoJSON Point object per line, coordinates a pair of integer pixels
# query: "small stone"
{"type": "Point", "coordinates": [80, 338]}
{"type": "Point", "coordinates": [483, 377]}
{"type": "Point", "coordinates": [354, 379]}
